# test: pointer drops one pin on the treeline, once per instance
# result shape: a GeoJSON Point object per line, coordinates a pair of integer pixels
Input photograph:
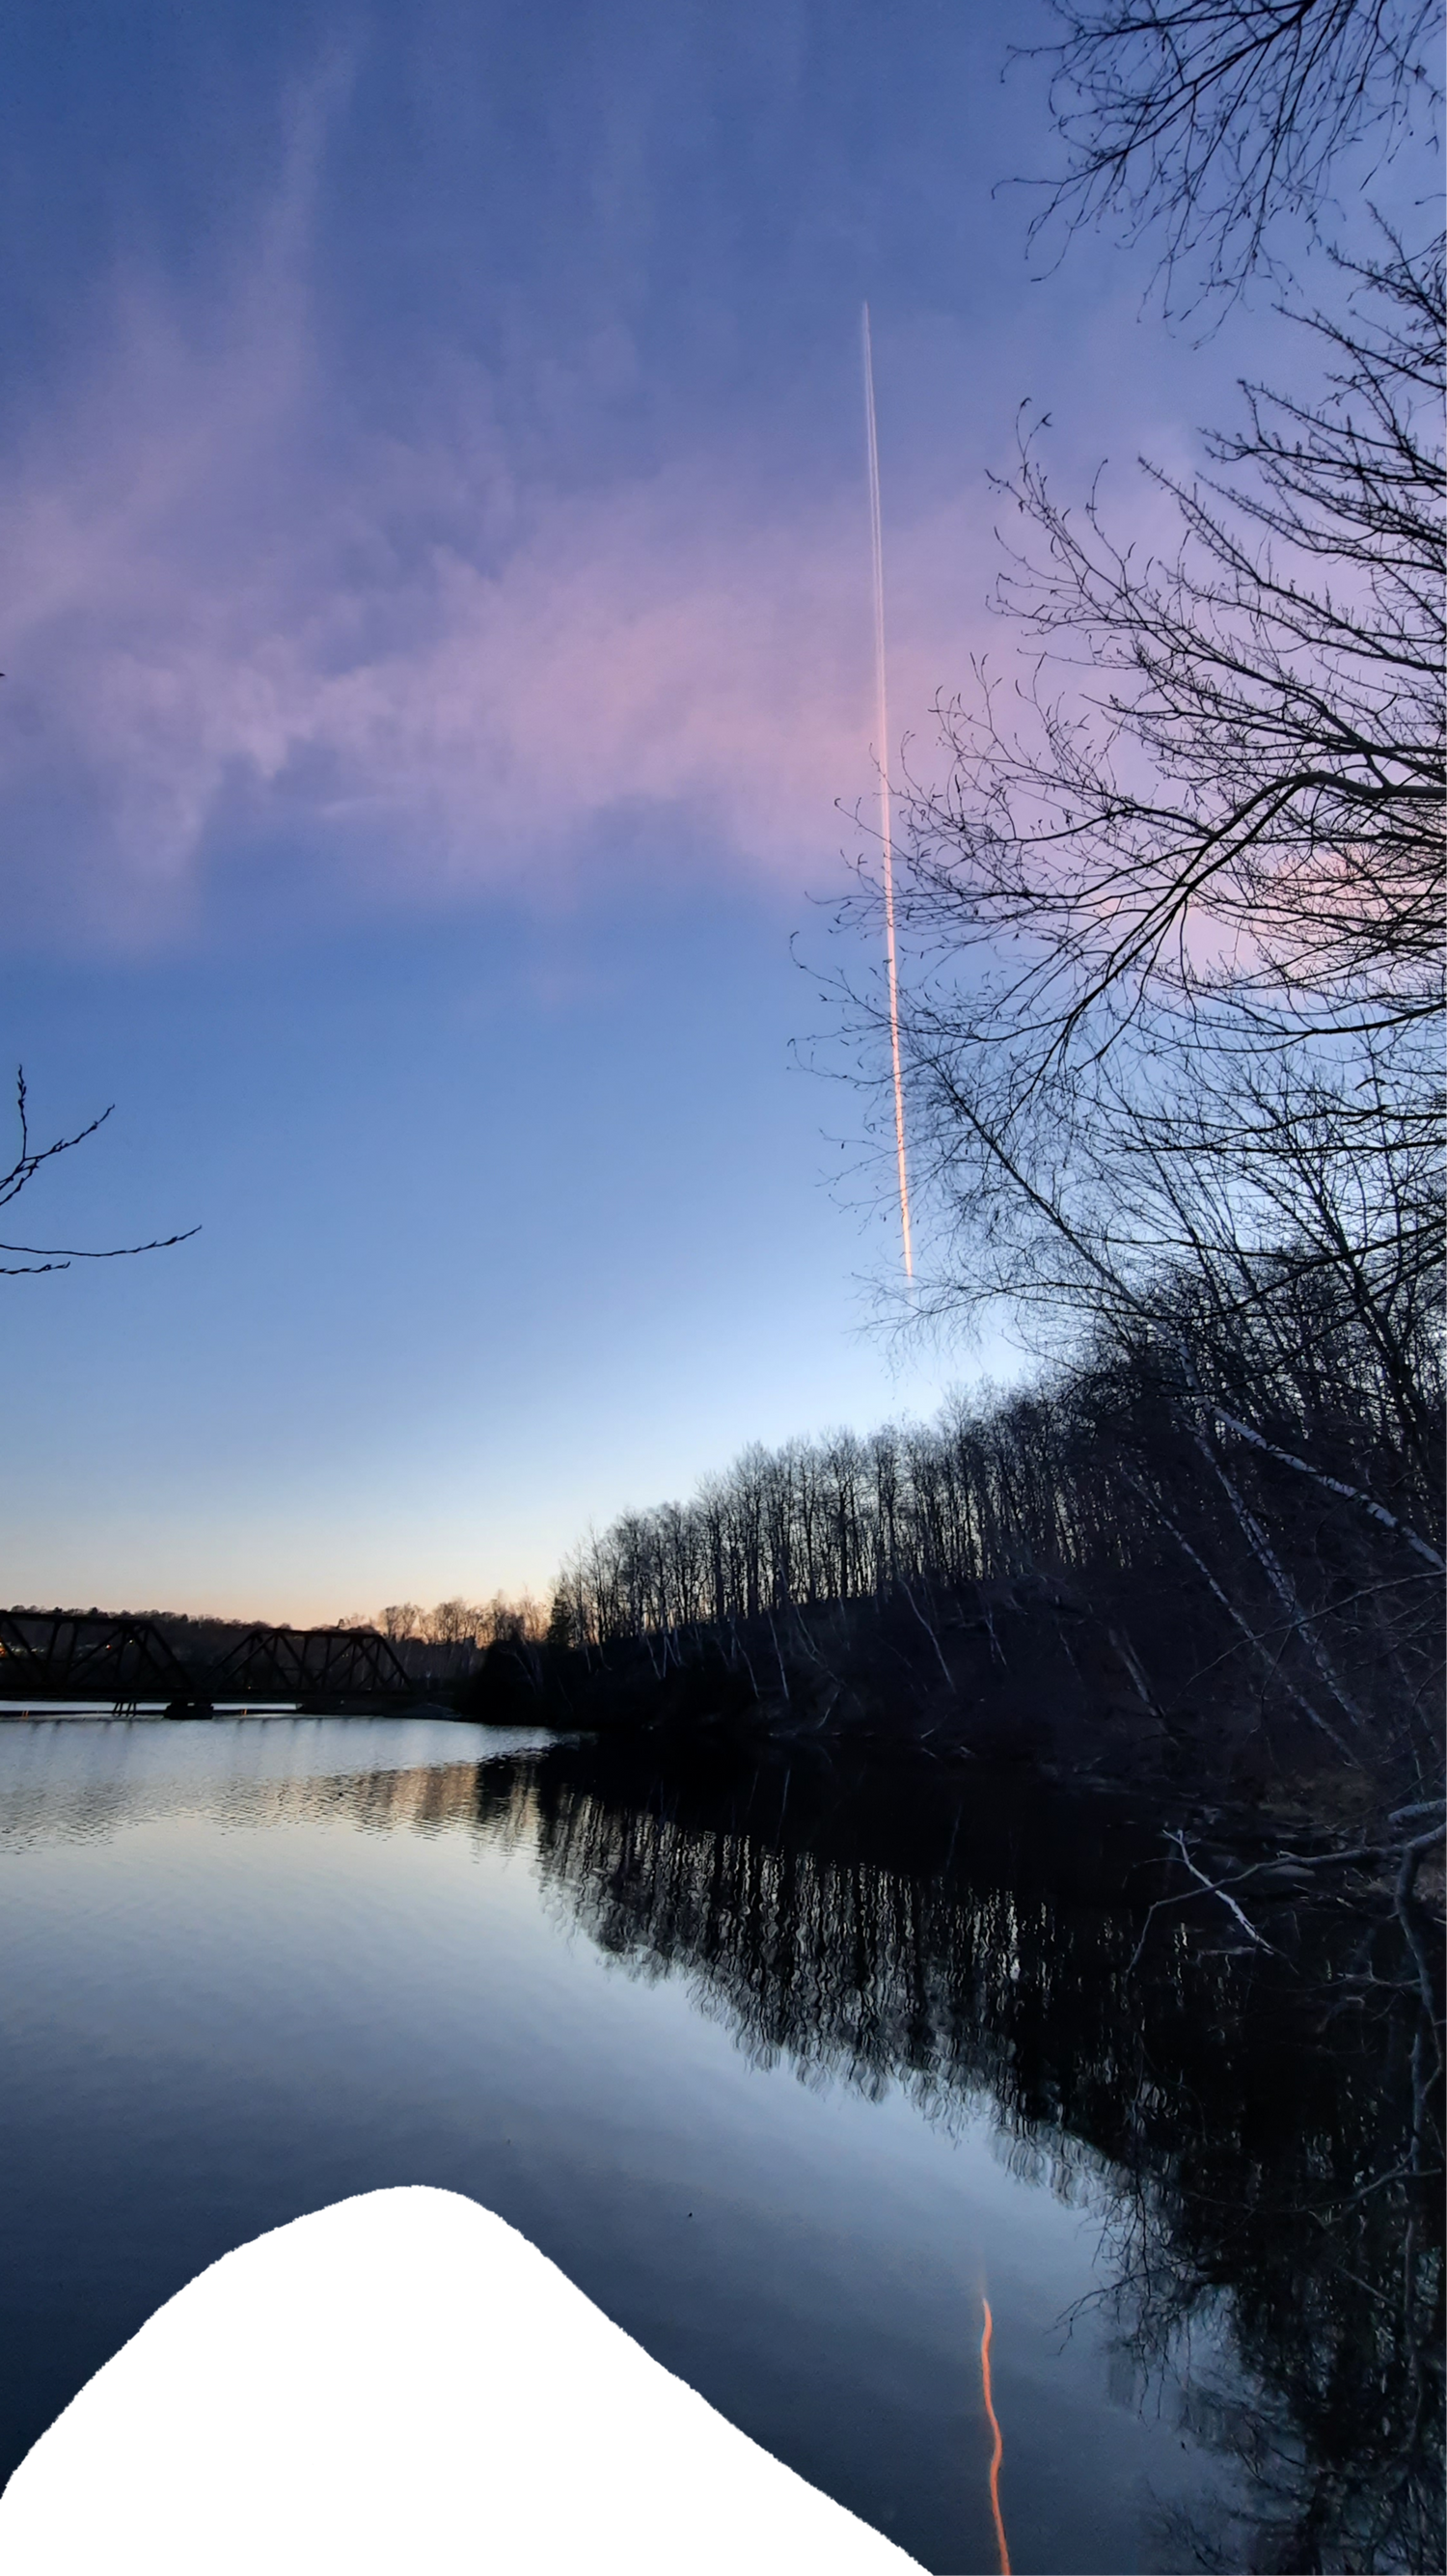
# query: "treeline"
{"type": "Point", "coordinates": [1255, 1500]}
{"type": "Point", "coordinates": [457, 1622]}
{"type": "Point", "coordinates": [454, 1622]}
{"type": "Point", "coordinates": [845, 1517]}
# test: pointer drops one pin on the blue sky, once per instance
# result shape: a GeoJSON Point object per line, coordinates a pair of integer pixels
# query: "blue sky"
{"type": "Point", "coordinates": [437, 638]}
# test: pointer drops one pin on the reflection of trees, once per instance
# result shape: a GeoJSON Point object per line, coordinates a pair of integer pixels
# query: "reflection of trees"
{"type": "Point", "coordinates": [1247, 2122]}
{"type": "Point", "coordinates": [1331, 2288]}
{"type": "Point", "coordinates": [1255, 2128]}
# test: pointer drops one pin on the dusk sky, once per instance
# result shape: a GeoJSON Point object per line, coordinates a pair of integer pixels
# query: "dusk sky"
{"type": "Point", "coordinates": [437, 629]}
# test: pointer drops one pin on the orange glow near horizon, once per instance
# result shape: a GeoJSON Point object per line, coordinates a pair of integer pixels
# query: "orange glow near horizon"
{"type": "Point", "coordinates": [998, 2453]}
{"type": "Point", "coordinates": [886, 833]}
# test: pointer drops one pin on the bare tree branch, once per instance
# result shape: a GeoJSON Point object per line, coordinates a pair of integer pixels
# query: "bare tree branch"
{"type": "Point", "coordinates": [1214, 118]}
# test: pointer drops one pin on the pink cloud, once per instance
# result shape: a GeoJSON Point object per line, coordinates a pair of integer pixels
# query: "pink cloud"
{"type": "Point", "coordinates": [226, 616]}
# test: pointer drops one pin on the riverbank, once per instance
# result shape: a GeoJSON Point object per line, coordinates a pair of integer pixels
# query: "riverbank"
{"type": "Point", "coordinates": [1028, 1677]}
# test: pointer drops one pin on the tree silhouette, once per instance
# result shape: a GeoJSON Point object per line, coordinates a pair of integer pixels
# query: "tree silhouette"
{"type": "Point", "coordinates": [28, 1163]}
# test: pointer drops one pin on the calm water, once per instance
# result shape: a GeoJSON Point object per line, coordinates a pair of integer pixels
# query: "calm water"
{"type": "Point", "coordinates": [786, 2074]}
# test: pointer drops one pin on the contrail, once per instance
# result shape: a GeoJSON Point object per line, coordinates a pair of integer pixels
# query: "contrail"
{"type": "Point", "coordinates": [881, 718]}
{"type": "Point", "coordinates": [998, 2453]}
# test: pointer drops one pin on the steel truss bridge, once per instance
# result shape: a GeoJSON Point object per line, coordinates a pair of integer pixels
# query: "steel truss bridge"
{"type": "Point", "coordinates": [65, 1655]}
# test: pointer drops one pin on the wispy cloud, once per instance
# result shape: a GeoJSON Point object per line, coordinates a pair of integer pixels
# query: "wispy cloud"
{"type": "Point", "coordinates": [233, 617]}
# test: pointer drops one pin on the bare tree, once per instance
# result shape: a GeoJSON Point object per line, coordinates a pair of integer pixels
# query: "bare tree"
{"type": "Point", "coordinates": [1240, 812]}
{"type": "Point", "coordinates": [1213, 118]}
{"type": "Point", "coordinates": [401, 1619]}
{"type": "Point", "coordinates": [507, 1621]}
{"type": "Point", "coordinates": [452, 1623]}
{"type": "Point", "coordinates": [1175, 929]}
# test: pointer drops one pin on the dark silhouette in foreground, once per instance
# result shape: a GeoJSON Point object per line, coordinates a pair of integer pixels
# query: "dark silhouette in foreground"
{"type": "Point", "coordinates": [295, 2329]}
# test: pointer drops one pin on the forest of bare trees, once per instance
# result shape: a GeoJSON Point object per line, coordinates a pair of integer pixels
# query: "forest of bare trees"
{"type": "Point", "coordinates": [1171, 971]}
{"type": "Point", "coordinates": [1238, 1542]}
{"type": "Point", "coordinates": [457, 1622]}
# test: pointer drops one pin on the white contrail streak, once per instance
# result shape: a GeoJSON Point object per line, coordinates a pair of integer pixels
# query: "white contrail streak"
{"type": "Point", "coordinates": [886, 833]}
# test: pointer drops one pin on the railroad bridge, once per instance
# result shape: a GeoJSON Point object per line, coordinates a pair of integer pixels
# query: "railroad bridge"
{"type": "Point", "coordinates": [70, 1655]}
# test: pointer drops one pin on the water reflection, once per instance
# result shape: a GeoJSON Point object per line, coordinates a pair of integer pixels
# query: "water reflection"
{"type": "Point", "coordinates": [65, 1782]}
{"type": "Point", "coordinates": [1249, 2126]}
{"type": "Point", "coordinates": [1251, 2133]}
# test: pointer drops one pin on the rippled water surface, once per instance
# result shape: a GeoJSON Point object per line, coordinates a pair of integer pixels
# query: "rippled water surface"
{"type": "Point", "coordinates": [787, 2073]}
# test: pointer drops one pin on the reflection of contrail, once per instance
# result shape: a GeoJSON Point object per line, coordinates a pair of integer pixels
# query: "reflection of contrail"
{"type": "Point", "coordinates": [881, 712]}
{"type": "Point", "coordinates": [998, 2453]}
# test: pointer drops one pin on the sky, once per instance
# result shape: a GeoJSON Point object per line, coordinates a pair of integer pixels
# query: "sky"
{"type": "Point", "coordinates": [437, 636]}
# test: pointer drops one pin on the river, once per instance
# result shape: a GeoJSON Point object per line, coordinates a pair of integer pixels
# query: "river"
{"type": "Point", "coordinates": [791, 2073]}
